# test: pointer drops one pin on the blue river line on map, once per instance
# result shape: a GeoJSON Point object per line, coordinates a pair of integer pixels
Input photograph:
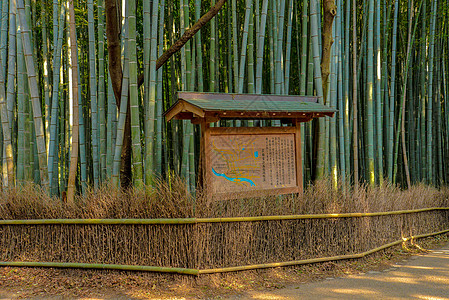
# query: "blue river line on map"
{"type": "Point", "coordinates": [234, 179]}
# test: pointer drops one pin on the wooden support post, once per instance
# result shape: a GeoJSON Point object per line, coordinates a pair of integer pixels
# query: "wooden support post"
{"type": "Point", "coordinates": [298, 148]}
{"type": "Point", "coordinates": [205, 182]}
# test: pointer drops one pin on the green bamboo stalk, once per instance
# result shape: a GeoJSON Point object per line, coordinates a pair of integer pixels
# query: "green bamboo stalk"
{"type": "Point", "coordinates": [379, 143]}
{"type": "Point", "coordinates": [46, 86]}
{"type": "Point", "coordinates": [302, 59]}
{"type": "Point", "coordinates": [318, 11]}
{"type": "Point", "coordinates": [193, 68]}
{"type": "Point", "coordinates": [62, 131]}
{"type": "Point", "coordinates": [112, 112]}
{"type": "Point", "coordinates": [279, 41]}
{"type": "Point", "coordinates": [185, 80]}
{"type": "Point", "coordinates": [304, 43]}
{"type": "Point", "coordinates": [191, 183]}
{"type": "Point", "coordinates": [446, 104]}
{"type": "Point", "coordinates": [199, 52]}
{"type": "Point", "coordinates": [133, 94]}
{"type": "Point", "coordinates": [75, 130]}
{"type": "Point", "coordinates": [174, 162]}
{"type": "Point", "coordinates": [411, 117]}
{"type": "Point", "coordinates": [185, 165]}
{"type": "Point", "coordinates": [332, 103]}
{"type": "Point", "coordinates": [54, 107]}
{"type": "Point", "coordinates": [160, 102]}
{"type": "Point", "coordinates": [184, 152]}
{"type": "Point", "coordinates": [423, 97]}
{"type": "Point", "coordinates": [384, 85]}
{"type": "Point", "coordinates": [341, 106]}
{"type": "Point", "coordinates": [235, 45]}
{"type": "Point", "coordinates": [28, 154]}
{"type": "Point", "coordinates": [308, 126]}
{"type": "Point", "coordinates": [256, 21]}
{"type": "Point", "coordinates": [121, 123]}
{"type": "Point", "coordinates": [36, 175]}
{"type": "Point", "coordinates": [370, 97]}
{"type": "Point", "coordinates": [272, 46]}
{"type": "Point", "coordinates": [21, 79]}
{"type": "Point", "coordinates": [251, 79]}
{"type": "Point", "coordinates": [310, 70]}
{"type": "Point", "coordinates": [244, 49]}
{"type": "Point", "coordinates": [429, 129]}
{"type": "Point", "coordinates": [392, 95]}
{"type": "Point", "coordinates": [213, 42]}
{"type": "Point", "coordinates": [82, 134]}
{"type": "Point", "coordinates": [438, 92]}
{"type": "Point", "coordinates": [32, 79]}
{"type": "Point", "coordinates": [146, 54]}
{"type": "Point", "coordinates": [150, 111]}
{"type": "Point", "coordinates": [68, 98]}
{"type": "Point", "coordinates": [10, 98]}
{"type": "Point", "coordinates": [55, 23]}
{"type": "Point", "coordinates": [318, 85]}
{"type": "Point", "coordinates": [188, 45]}
{"type": "Point", "coordinates": [228, 51]}
{"type": "Point", "coordinates": [261, 46]}
{"type": "Point", "coordinates": [31, 23]}
{"type": "Point", "coordinates": [220, 73]}
{"type": "Point", "coordinates": [354, 96]}
{"type": "Point", "coordinates": [93, 93]}
{"type": "Point", "coordinates": [101, 90]}
{"type": "Point", "coordinates": [288, 47]}
{"type": "Point", "coordinates": [4, 36]}
{"type": "Point", "coordinates": [6, 128]}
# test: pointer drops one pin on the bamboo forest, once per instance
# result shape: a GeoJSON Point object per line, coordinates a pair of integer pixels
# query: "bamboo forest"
{"type": "Point", "coordinates": [82, 96]}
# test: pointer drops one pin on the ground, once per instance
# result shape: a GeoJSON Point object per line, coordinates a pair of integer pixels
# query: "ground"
{"type": "Point", "coordinates": [34, 283]}
{"type": "Point", "coordinates": [422, 276]}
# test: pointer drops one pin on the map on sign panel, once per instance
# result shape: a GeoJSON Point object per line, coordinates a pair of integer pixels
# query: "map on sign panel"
{"type": "Point", "coordinates": [242, 163]}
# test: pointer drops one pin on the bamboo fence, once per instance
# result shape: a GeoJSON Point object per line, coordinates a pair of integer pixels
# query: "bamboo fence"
{"type": "Point", "coordinates": [197, 246]}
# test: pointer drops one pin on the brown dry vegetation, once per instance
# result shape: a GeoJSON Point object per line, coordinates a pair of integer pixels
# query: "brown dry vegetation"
{"type": "Point", "coordinates": [213, 245]}
{"type": "Point", "coordinates": [171, 200]}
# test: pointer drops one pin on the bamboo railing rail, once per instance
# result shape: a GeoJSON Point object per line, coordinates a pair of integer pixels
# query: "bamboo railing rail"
{"type": "Point", "coordinates": [100, 266]}
{"type": "Point", "coordinates": [180, 221]}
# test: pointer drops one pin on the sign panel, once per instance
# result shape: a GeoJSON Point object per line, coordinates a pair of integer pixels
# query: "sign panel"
{"type": "Point", "coordinates": [248, 163]}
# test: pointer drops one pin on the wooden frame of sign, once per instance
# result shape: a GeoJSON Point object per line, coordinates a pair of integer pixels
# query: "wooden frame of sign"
{"type": "Point", "coordinates": [242, 162]}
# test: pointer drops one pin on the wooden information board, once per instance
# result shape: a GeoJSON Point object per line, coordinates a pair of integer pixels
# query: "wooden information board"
{"type": "Point", "coordinates": [246, 162]}
{"type": "Point", "coordinates": [242, 162]}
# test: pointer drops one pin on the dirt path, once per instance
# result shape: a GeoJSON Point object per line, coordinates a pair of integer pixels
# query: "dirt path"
{"type": "Point", "coordinates": [420, 277]}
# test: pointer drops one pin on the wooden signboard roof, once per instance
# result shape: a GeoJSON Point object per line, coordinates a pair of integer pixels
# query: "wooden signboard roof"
{"type": "Point", "coordinates": [214, 106]}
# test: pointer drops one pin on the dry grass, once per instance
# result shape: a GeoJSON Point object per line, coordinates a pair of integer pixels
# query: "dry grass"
{"type": "Point", "coordinates": [107, 202]}
{"type": "Point", "coordinates": [211, 245]}
{"type": "Point", "coordinates": [322, 198]}
{"type": "Point", "coordinates": [173, 201]}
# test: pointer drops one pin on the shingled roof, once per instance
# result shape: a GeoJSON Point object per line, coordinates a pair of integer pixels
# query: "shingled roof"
{"type": "Point", "coordinates": [215, 106]}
